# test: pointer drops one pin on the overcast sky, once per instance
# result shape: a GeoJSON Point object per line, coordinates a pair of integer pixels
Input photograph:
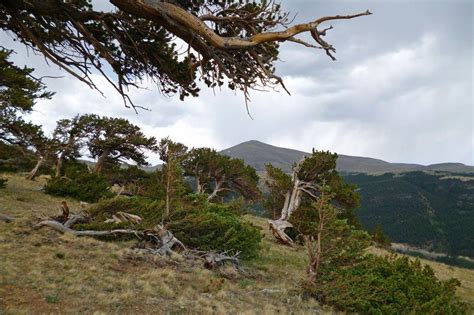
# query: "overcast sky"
{"type": "Point", "coordinates": [401, 89]}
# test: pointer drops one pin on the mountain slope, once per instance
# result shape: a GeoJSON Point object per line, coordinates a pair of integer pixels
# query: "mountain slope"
{"type": "Point", "coordinates": [257, 154]}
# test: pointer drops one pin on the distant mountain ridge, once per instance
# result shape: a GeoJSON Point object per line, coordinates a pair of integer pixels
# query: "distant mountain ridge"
{"type": "Point", "coordinates": [257, 154]}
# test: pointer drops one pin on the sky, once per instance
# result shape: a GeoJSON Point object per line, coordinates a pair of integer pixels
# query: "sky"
{"type": "Point", "coordinates": [401, 89]}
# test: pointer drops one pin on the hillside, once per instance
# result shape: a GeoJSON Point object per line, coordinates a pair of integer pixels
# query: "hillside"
{"type": "Point", "coordinates": [430, 211]}
{"type": "Point", "coordinates": [257, 154]}
{"type": "Point", "coordinates": [43, 271]}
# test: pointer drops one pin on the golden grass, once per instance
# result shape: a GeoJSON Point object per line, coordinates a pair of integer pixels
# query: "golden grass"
{"type": "Point", "coordinates": [42, 271]}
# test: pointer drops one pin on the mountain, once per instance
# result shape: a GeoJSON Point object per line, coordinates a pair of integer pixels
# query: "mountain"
{"type": "Point", "coordinates": [257, 154]}
{"type": "Point", "coordinates": [426, 210]}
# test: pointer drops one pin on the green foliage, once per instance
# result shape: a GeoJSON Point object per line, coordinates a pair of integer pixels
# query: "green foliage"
{"type": "Point", "coordinates": [432, 211]}
{"type": "Point", "coordinates": [278, 183]}
{"type": "Point", "coordinates": [11, 159]}
{"type": "Point", "coordinates": [388, 285]}
{"type": "Point", "coordinates": [379, 236]}
{"type": "Point", "coordinates": [150, 211]}
{"type": "Point", "coordinates": [214, 227]}
{"type": "Point", "coordinates": [116, 140]}
{"type": "Point", "coordinates": [220, 176]}
{"type": "Point", "coordinates": [80, 184]}
{"type": "Point", "coordinates": [317, 169]}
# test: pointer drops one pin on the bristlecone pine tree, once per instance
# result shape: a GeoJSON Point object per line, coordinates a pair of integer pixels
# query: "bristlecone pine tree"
{"type": "Point", "coordinates": [229, 42]}
{"type": "Point", "coordinates": [19, 91]}
{"type": "Point", "coordinates": [218, 175]}
{"type": "Point", "coordinates": [173, 154]}
{"type": "Point", "coordinates": [70, 137]}
{"type": "Point", "coordinates": [116, 140]}
{"type": "Point", "coordinates": [308, 174]}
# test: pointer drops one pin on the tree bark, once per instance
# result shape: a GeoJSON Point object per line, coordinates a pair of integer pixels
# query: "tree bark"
{"type": "Point", "coordinates": [33, 172]}
{"type": "Point", "coordinates": [59, 164]}
{"type": "Point", "coordinates": [100, 162]}
{"type": "Point", "coordinates": [217, 189]}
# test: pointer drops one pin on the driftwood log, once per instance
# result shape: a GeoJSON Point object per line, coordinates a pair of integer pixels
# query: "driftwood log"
{"type": "Point", "coordinates": [123, 217]}
{"type": "Point", "coordinates": [6, 218]}
{"type": "Point", "coordinates": [158, 241]}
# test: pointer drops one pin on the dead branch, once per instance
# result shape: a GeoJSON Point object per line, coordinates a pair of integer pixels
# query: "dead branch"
{"type": "Point", "coordinates": [214, 259]}
{"type": "Point", "coordinates": [64, 229]}
{"type": "Point", "coordinates": [124, 217]}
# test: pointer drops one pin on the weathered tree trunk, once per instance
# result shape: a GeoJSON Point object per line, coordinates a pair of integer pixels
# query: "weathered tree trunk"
{"type": "Point", "coordinates": [291, 204]}
{"type": "Point", "coordinates": [59, 164]}
{"type": "Point", "coordinates": [100, 162]}
{"type": "Point", "coordinates": [217, 189]}
{"type": "Point", "coordinates": [168, 192]}
{"type": "Point", "coordinates": [33, 172]}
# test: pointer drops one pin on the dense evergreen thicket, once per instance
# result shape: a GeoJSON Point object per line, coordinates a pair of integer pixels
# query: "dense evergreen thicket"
{"type": "Point", "coordinates": [216, 227]}
{"type": "Point", "coordinates": [433, 211]}
{"type": "Point", "coordinates": [80, 184]}
{"type": "Point", "coordinates": [388, 285]}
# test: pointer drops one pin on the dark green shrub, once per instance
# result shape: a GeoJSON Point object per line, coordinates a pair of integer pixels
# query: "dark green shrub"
{"type": "Point", "coordinates": [388, 285]}
{"type": "Point", "coordinates": [88, 187]}
{"type": "Point", "coordinates": [215, 227]}
{"type": "Point", "coordinates": [3, 182]}
{"type": "Point", "coordinates": [79, 183]}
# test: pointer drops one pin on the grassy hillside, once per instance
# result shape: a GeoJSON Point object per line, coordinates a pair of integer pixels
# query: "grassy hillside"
{"type": "Point", "coordinates": [42, 271]}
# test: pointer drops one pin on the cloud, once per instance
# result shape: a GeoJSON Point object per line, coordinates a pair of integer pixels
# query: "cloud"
{"type": "Point", "coordinates": [401, 90]}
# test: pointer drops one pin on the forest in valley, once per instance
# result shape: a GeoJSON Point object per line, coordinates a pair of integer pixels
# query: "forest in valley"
{"type": "Point", "coordinates": [85, 228]}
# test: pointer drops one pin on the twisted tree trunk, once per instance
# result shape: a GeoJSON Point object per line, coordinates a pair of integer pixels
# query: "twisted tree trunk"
{"type": "Point", "coordinates": [291, 204]}
{"type": "Point", "coordinates": [33, 172]}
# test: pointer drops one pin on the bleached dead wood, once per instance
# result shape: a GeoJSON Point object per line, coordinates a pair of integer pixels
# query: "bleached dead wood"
{"type": "Point", "coordinates": [122, 217]}
{"type": "Point", "coordinates": [64, 229]}
{"type": "Point", "coordinates": [6, 218]}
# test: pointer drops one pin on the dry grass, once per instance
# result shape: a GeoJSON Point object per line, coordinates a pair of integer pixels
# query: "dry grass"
{"type": "Point", "coordinates": [42, 271]}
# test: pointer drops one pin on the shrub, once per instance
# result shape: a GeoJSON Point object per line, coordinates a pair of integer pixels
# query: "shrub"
{"type": "Point", "coordinates": [388, 285]}
{"type": "Point", "coordinates": [215, 227]}
{"type": "Point", "coordinates": [149, 210]}
{"type": "Point", "coordinates": [80, 184]}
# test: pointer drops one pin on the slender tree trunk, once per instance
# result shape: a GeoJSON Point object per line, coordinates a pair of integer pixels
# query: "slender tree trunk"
{"type": "Point", "coordinates": [100, 162]}
{"type": "Point", "coordinates": [33, 172]}
{"type": "Point", "coordinates": [168, 192]}
{"type": "Point", "coordinates": [198, 184]}
{"type": "Point", "coordinates": [216, 189]}
{"type": "Point", "coordinates": [59, 164]}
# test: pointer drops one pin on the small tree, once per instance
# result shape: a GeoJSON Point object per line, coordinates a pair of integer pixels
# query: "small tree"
{"type": "Point", "coordinates": [217, 175]}
{"type": "Point", "coordinates": [19, 91]}
{"type": "Point", "coordinates": [330, 241]}
{"type": "Point", "coordinates": [116, 140]}
{"type": "Point", "coordinates": [173, 154]}
{"type": "Point", "coordinates": [308, 174]}
{"type": "Point", "coordinates": [70, 135]}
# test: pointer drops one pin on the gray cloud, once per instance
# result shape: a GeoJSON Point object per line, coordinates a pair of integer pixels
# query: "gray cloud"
{"type": "Point", "coordinates": [401, 90]}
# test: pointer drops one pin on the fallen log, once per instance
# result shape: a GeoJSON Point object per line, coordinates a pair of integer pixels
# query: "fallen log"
{"type": "Point", "coordinates": [64, 229]}
{"type": "Point", "coordinates": [6, 218]}
{"type": "Point", "coordinates": [122, 217]}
